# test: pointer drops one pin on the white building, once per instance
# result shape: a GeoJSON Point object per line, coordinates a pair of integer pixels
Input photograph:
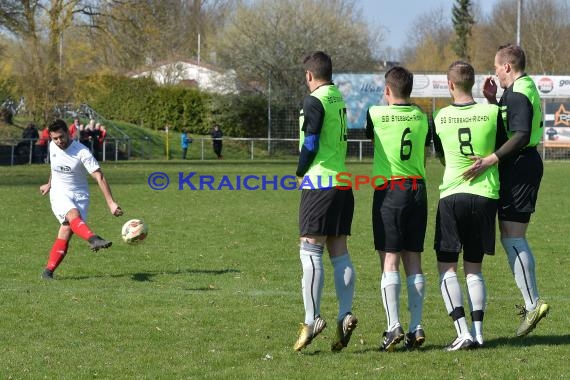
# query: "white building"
{"type": "Point", "coordinates": [205, 77]}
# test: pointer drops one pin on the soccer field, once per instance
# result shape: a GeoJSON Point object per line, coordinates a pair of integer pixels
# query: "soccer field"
{"type": "Point", "coordinates": [214, 291]}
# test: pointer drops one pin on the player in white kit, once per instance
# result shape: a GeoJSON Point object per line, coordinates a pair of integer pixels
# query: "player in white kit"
{"type": "Point", "coordinates": [71, 161]}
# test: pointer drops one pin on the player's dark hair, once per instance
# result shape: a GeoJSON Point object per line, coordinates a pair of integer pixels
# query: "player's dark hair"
{"type": "Point", "coordinates": [319, 64]}
{"type": "Point", "coordinates": [400, 81]}
{"type": "Point", "coordinates": [462, 74]}
{"type": "Point", "coordinates": [512, 54]}
{"type": "Point", "coordinates": [57, 125]}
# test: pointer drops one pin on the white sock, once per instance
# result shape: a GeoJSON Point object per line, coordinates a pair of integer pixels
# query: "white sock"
{"type": "Point", "coordinates": [477, 297]}
{"type": "Point", "coordinates": [521, 261]}
{"type": "Point", "coordinates": [390, 288]}
{"type": "Point", "coordinates": [313, 279]}
{"type": "Point", "coordinates": [453, 299]}
{"type": "Point", "coordinates": [415, 285]}
{"type": "Point", "coordinates": [344, 279]}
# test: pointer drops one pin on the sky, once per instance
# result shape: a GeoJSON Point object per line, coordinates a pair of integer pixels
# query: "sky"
{"type": "Point", "coordinates": [396, 17]}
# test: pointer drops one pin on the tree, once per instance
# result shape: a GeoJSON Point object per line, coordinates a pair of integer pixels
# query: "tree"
{"type": "Point", "coordinates": [463, 21]}
{"type": "Point", "coordinates": [266, 40]}
{"type": "Point", "coordinates": [430, 42]}
{"type": "Point", "coordinates": [37, 28]}
{"type": "Point", "coordinates": [545, 33]}
{"type": "Point", "coordinates": [545, 37]}
{"type": "Point", "coordinates": [141, 33]}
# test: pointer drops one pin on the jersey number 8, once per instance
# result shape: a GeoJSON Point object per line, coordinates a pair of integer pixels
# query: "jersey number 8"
{"type": "Point", "coordinates": [464, 136]}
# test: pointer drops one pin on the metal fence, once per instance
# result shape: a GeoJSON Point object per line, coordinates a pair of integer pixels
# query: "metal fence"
{"type": "Point", "coordinates": [27, 151]}
{"type": "Point", "coordinates": [264, 148]}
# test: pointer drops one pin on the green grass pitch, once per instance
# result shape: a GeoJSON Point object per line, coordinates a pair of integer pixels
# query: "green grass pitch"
{"type": "Point", "coordinates": [214, 292]}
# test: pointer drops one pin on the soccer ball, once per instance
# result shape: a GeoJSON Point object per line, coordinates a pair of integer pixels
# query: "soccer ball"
{"type": "Point", "coordinates": [134, 231]}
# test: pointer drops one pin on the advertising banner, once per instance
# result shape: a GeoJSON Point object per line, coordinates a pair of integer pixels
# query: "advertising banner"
{"type": "Point", "coordinates": [557, 123]}
{"type": "Point", "coordinates": [361, 91]}
{"type": "Point", "coordinates": [552, 86]}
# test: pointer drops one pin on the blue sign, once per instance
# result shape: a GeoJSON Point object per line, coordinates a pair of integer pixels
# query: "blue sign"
{"type": "Point", "coordinates": [360, 92]}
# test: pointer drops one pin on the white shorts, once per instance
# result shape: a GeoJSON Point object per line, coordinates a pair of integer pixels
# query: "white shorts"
{"type": "Point", "coordinates": [63, 202]}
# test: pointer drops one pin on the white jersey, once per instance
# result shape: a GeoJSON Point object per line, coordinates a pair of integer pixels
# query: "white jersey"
{"type": "Point", "coordinates": [69, 167]}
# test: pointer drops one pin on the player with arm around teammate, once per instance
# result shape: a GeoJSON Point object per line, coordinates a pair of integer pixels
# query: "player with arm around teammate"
{"type": "Point", "coordinates": [325, 211]}
{"type": "Point", "coordinates": [69, 193]}
{"type": "Point", "coordinates": [520, 170]}
{"type": "Point", "coordinates": [399, 133]}
{"type": "Point", "coordinates": [466, 210]}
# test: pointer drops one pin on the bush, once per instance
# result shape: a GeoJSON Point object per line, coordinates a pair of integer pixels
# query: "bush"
{"type": "Point", "coordinates": [6, 116]}
{"type": "Point", "coordinates": [141, 101]}
{"type": "Point", "coordinates": [240, 115]}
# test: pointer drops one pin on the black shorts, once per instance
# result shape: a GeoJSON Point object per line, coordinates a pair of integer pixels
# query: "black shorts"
{"type": "Point", "coordinates": [520, 179]}
{"type": "Point", "coordinates": [399, 217]}
{"type": "Point", "coordinates": [465, 221]}
{"type": "Point", "coordinates": [326, 212]}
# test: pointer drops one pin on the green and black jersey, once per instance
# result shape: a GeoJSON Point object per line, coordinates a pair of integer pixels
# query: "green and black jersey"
{"type": "Point", "coordinates": [521, 109]}
{"type": "Point", "coordinates": [323, 136]}
{"type": "Point", "coordinates": [464, 131]}
{"type": "Point", "coordinates": [400, 134]}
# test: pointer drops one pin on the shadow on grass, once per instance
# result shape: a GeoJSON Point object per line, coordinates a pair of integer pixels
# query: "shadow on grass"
{"type": "Point", "coordinates": [529, 341]}
{"type": "Point", "coordinates": [399, 348]}
{"type": "Point", "coordinates": [533, 340]}
{"type": "Point", "coordinates": [148, 276]}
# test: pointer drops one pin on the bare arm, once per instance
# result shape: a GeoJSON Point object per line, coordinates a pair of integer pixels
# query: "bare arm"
{"type": "Point", "coordinates": [106, 190]}
{"type": "Point", "coordinates": [45, 188]}
{"type": "Point", "coordinates": [480, 164]}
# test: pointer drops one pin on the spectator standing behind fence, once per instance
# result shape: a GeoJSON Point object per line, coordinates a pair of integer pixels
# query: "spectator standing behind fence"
{"type": "Point", "coordinates": [96, 140]}
{"type": "Point", "coordinates": [74, 130]}
{"type": "Point", "coordinates": [31, 132]}
{"type": "Point", "coordinates": [30, 135]}
{"type": "Point", "coordinates": [83, 135]}
{"type": "Point", "coordinates": [103, 134]}
{"type": "Point", "coordinates": [102, 137]}
{"type": "Point", "coordinates": [217, 141]}
{"type": "Point", "coordinates": [43, 144]}
{"type": "Point", "coordinates": [185, 141]}
{"type": "Point", "coordinates": [88, 132]}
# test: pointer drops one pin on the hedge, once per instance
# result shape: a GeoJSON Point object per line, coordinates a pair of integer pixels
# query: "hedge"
{"type": "Point", "coordinates": [141, 101]}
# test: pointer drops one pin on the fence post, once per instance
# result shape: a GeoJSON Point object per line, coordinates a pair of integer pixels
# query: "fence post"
{"type": "Point", "coordinates": [269, 114]}
{"type": "Point", "coordinates": [149, 146]}
{"type": "Point", "coordinates": [251, 149]}
{"type": "Point", "coordinates": [104, 149]}
{"type": "Point", "coordinates": [360, 150]}
{"type": "Point", "coordinates": [202, 149]}
{"type": "Point", "coordinates": [543, 147]}
{"type": "Point", "coordinates": [31, 151]}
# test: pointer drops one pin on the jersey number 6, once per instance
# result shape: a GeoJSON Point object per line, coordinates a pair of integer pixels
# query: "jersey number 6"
{"type": "Point", "coordinates": [405, 143]}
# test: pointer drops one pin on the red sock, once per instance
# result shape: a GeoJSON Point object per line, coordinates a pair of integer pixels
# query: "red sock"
{"type": "Point", "coordinates": [57, 254]}
{"type": "Point", "coordinates": [80, 228]}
